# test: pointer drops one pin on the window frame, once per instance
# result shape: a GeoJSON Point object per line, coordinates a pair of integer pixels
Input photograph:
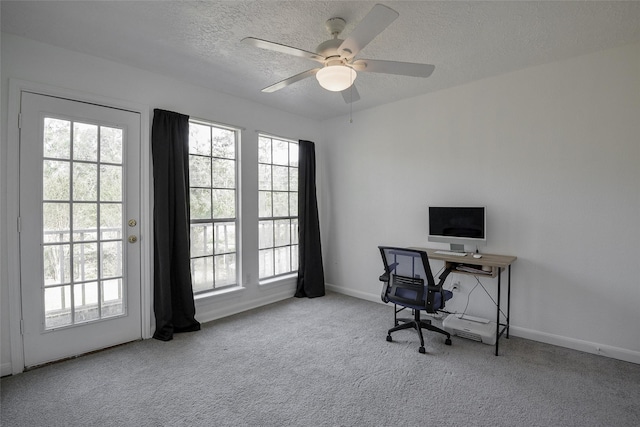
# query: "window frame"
{"type": "Point", "coordinates": [293, 220]}
{"type": "Point", "coordinates": [212, 220]}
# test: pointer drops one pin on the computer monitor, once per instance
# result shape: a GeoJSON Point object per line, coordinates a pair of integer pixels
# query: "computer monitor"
{"type": "Point", "coordinates": [458, 226]}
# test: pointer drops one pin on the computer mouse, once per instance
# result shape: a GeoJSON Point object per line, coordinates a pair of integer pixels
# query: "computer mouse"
{"type": "Point", "coordinates": [477, 256]}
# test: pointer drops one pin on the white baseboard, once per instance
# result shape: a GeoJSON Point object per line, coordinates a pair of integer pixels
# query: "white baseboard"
{"type": "Point", "coordinates": [219, 309]}
{"type": "Point", "coordinates": [558, 340]}
{"type": "Point", "coordinates": [575, 344]}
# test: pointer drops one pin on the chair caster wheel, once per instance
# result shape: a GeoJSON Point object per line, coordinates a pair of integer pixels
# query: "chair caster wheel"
{"type": "Point", "coordinates": [422, 350]}
{"type": "Point", "coordinates": [389, 338]}
{"type": "Point", "coordinates": [448, 341]}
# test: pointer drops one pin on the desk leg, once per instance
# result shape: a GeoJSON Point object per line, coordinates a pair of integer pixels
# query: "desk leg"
{"type": "Point", "coordinates": [508, 299]}
{"type": "Point", "coordinates": [498, 313]}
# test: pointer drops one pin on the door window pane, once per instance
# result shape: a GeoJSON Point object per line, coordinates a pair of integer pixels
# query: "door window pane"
{"type": "Point", "coordinates": [110, 183]}
{"type": "Point", "coordinates": [56, 180]}
{"type": "Point", "coordinates": [85, 142]}
{"type": "Point", "coordinates": [85, 181]}
{"type": "Point", "coordinates": [110, 145]}
{"type": "Point", "coordinates": [56, 138]}
{"type": "Point", "coordinates": [56, 222]}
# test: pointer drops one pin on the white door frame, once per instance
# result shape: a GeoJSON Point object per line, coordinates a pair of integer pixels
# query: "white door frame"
{"type": "Point", "coordinates": [16, 87]}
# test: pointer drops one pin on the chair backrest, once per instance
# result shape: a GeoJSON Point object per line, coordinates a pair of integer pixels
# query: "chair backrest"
{"type": "Point", "coordinates": [410, 277]}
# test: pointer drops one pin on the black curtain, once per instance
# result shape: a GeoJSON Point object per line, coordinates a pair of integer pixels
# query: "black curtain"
{"type": "Point", "coordinates": [173, 302]}
{"type": "Point", "coordinates": [310, 272]}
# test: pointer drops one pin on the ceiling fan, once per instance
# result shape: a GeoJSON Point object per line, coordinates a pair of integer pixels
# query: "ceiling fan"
{"type": "Point", "coordinates": [340, 68]}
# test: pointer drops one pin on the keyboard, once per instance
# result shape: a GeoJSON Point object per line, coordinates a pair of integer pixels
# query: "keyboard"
{"type": "Point", "coordinates": [451, 253]}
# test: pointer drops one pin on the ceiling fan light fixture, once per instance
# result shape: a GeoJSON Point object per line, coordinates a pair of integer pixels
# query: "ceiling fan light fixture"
{"type": "Point", "coordinates": [336, 78]}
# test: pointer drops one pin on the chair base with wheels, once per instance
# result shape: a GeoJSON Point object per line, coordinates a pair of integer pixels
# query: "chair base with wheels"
{"type": "Point", "coordinates": [418, 324]}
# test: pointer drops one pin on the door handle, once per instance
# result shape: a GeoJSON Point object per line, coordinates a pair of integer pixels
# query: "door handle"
{"type": "Point", "coordinates": [133, 239]}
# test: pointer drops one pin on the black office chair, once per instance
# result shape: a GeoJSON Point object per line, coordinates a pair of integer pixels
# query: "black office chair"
{"type": "Point", "coordinates": [409, 283]}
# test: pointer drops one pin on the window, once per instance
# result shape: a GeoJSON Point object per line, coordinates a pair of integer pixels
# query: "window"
{"type": "Point", "coordinates": [278, 206]}
{"type": "Point", "coordinates": [212, 180]}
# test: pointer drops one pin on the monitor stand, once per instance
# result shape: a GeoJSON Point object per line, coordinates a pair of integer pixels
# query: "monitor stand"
{"type": "Point", "coordinates": [456, 247]}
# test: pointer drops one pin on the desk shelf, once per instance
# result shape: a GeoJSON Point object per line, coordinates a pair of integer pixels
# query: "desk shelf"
{"type": "Point", "coordinates": [472, 269]}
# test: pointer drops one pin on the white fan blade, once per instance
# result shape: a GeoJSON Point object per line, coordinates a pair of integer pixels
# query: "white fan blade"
{"type": "Point", "coordinates": [393, 67]}
{"type": "Point", "coordinates": [277, 47]}
{"type": "Point", "coordinates": [350, 94]}
{"type": "Point", "coordinates": [291, 80]}
{"type": "Point", "coordinates": [379, 18]}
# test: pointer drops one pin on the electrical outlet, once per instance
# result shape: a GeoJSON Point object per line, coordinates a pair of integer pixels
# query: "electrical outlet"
{"type": "Point", "coordinates": [456, 286]}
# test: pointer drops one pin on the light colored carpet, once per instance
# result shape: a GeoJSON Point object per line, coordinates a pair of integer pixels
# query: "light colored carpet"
{"type": "Point", "coordinates": [324, 362]}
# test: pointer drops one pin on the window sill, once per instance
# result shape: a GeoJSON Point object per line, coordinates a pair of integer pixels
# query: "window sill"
{"type": "Point", "coordinates": [285, 279]}
{"type": "Point", "coordinates": [232, 290]}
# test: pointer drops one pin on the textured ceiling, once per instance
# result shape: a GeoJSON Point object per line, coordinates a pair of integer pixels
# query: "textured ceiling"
{"type": "Point", "coordinates": [199, 42]}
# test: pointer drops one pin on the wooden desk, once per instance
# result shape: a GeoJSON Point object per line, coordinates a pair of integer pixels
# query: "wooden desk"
{"type": "Point", "coordinates": [493, 265]}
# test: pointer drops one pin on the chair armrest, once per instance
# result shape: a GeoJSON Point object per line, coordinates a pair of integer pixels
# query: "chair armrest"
{"type": "Point", "coordinates": [384, 277]}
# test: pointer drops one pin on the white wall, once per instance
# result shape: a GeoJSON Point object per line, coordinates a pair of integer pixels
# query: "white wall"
{"type": "Point", "coordinates": [27, 60]}
{"type": "Point", "coordinates": [552, 151]}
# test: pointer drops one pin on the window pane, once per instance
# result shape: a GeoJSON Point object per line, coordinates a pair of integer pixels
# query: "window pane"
{"type": "Point", "coordinates": [56, 180]}
{"type": "Point", "coordinates": [110, 183]}
{"type": "Point", "coordinates": [294, 231]}
{"type": "Point", "coordinates": [293, 179]}
{"type": "Point", "coordinates": [280, 152]}
{"type": "Point", "coordinates": [264, 177]}
{"type": "Point", "coordinates": [199, 139]}
{"type": "Point", "coordinates": [199, 171]}
{"type": "Point", "coordinates": [293, 154]}
{"type": "Point", "coordinates": [294, 258]}
{"type": "Point", "coordinates": [202, 273]}
{"type": "Point", "coordinates": [224, 143]}
{"type": "Point", "coordinates": [282, 260]}
{"type": "Point", "coordinates": [266, 263]}
{"type": "Point", "coordinates": [201, 240]}
{"type": "Point", "coordinates": [264, 150]}
{"type": "Point", "coordinates": [110, 145]}
{"type": "Point", "coordinates": [293, 204]}
{"type": "Point", "coordinates": [264, 204]}
{"type": "Point", "coordinates": [56, 222]}
{"type": "Point", "coordinates": [265, 234]}
{"type": "Point", "coordinates": [85, 142]}
{"type": "Point", "coordinates": [225, 237]}
{"type": "Point", "coordinates": [200, 201]}
{"type": "Point", "coordinates": [225, 270]}
{"type": "Point", "coordinates": [57, 138]}
{"type": "Point", "coordinates": [282, 232]}
{"type": "Point", "coordinates": [280, 178]}
{"type": "Point", "coordinates": [85, 221]}
{"type": "Point", "coordinates": [223, 173]}
{"type": "Point", "coordinates": [224, 203]}
{"type": "Point", "coordinates": [280, 204]}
